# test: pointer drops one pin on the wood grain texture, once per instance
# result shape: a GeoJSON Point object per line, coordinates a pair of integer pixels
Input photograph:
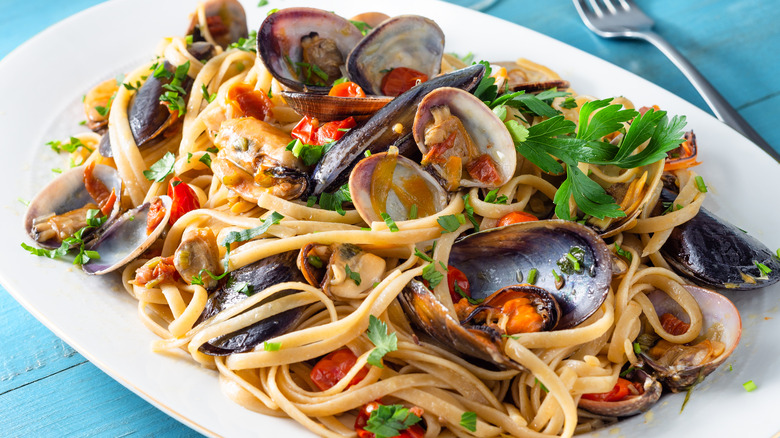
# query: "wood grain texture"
{"type": "Point", "coordinates": [734, 44]}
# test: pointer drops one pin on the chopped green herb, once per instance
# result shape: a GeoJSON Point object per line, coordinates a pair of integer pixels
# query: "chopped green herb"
{"type": "Point", "coordinates": [449, 222]}
{"type": "Point", "coordinates": [730, 368]}
{"type": "Point", "coordinates": [315, 261]}
{"type": "Point", "coordinates": [367, 153]}
{"type": "Point", "coordinates": [431, 275]}
{"type": "Point", "coordinates": [188, 40]}
{"type": "Point", "coordinates": [308, 153]}
{"type": "Point", "coordinates": [670, 206]}
{"type": "Point", "coordinates": [389, 421]}
{"type": "Point", "coordinates": [25, 202]}
{"type": "Point", "coordinates": [762, 267]}
{"type": "Point", "coordinates": [262, 3]}
{"type": "Point", "coordinates": [93, 220]}
{"type": "Point", "coordinates": [390, 222]}
{"type": "Point", "coordinates": [334, 201]}
{"type": "Point", "coordinates": [700, 184]}
{"type": "Point", "coordinates": [623, 253]}
{"type": "Point", "coordinates": [83, 122]}
{"type": "Point", "coordinates": [243, 236]}
{"type": "Point", "coordinates": [311, 201]}
{"type": "Point", "coordinates": [209, 97]}
{"type": "Point", "coordinates": [569, 103]}
{"type": "Point", "coordinates": [384, 342]}
{"type": "Point", "coordinates": [245, 288]}
{"type": "Point", "coordinates": [205, 159]}
{"type": "Point", "coordinates": [354, 276]}
{"type": "Point", "coordinates": [463, 294]}
{"type": "Point", "coordinates": [272, 11]}
{"type": "Point", "coordinates": [467, 59]}
{"type": "Point", "coordinates": [362, 26]}
{"type": "Point", "coordinates": [468, 420]}
{"type": "Point", "coordinates": [342, 80]}
{"type": "Point", "coordinates": [493, 198]}
{"type": "Point", "coordinates": [749, 386]}
{"type": "Point", "coordinates": [56, 170]}
{"type": "Point", "coordinates": [470, 212]}
{"type": "Point", "coordinates": [413, 211]}
{"type": "Point", "coordinates": [575, 263]}
{"type": "Point", "coordinates": [422, 255]}
{"type": "Point", "coordinates": [637, 348]}
{"type": "Point", "coordinates": [248, 44]}
{"type": "Point", "coordinates": [189, 156]}
{"type": "Point", "coordinates": [161, 169]}
{"type": "Point", "coordinates": [532, 276]}
{"type": "Point", "coordinates": [272, 346]}
{"type": "Point", "coordinates": [627, 371]}
{"type": "Point", "coordinates": [541, 385]}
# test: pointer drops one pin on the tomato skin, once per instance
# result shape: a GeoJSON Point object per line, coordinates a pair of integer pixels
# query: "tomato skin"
{"type": "Point", "coordinates": [347, 89]}
{"type": "Point", "coordinates": [516, 217]}
{"type": "Point", "coordinates": [331, 131]}
{"type": "Point", "coordinates": [155, 216]}
{"type": "Point", "coordinates": [455, 276]}
{"type": "Point", "coordinates": [618, 392]}
{"type": "Point", "coordinates": [333, 367]}
{"type": "Point", "coordinates": [361, 421]}
{"type": "Point", "coordinates": [184, 199]}
{"type": "Point", "coordinates": [401, 79]}
{"type": "Point", "coordinates": [309, 130]}
{"type": "Point", "coordinates": [250, 102]}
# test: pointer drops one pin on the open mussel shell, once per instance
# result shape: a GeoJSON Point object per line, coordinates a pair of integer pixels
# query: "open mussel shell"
{"type": "Point", "coordinates": [256, 277]}
{"type": "Point", "coordinates": [721, 323]}
{"type": "Point", "coordinates": [392, 184]}
{"type": "Point", "coordinates": [409, 41]}
{"type": "Point", "coordinates": [631, 404]}
{"type": "Point", "coordinates": [714, 253]}
{"type": "Point", "coordinates": [125, 238]}
{"type": "Point", "coordinates": [499, 257]}
{"type": "Point", "coordinates": [427, 313]}
{"type": "Point", "coordinates": [485, 137]}
{"type": "Point", "coordinates": [380, 131]}
{"type": "Point", "coordinates": [67, 193]}
{"type": "Point", "coordinates": [279, 45]}
{"type": "Point", "coordinates": [328, 108]}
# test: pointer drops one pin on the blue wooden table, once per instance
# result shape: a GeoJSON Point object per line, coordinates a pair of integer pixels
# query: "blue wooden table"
{"type": "Point", "coordinates": [48, 389]}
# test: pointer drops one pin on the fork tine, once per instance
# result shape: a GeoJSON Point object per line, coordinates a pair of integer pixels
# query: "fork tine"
{"type": "Point", "coordinates": [594, 6]}
{"type": "Point", "coordinates": [610, 6]}
{"type": "Point", "coordinates": [583, 9]}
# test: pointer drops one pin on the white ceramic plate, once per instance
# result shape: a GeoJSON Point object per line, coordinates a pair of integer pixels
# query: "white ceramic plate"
{"type": "Point", "coordinates": [45, 79]}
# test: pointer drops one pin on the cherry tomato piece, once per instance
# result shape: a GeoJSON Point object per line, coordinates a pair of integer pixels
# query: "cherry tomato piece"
{"type": "Point", "coordinates": [516, 217]}
{"type": "Point", "coordinates": [347, 89]}
{"type": "Point", "coordinates": [184, 199]}
{"type": "Point", "coordinates": [155, 216]}
{"type": "Point", "coordinates": [306, 129]}
{"type": "Point", "coordinates": [248, 101]}
{"type": "Point", "coordinates": [456, 277]}
{"type": "Point", "coordinates": [401, 79]}
{"type": "Point", "coordinates": [333, 131]}
{"type": "Point", "coordinates": [619, 392]}
{"type": "Point", "coordinates": [333, 367]}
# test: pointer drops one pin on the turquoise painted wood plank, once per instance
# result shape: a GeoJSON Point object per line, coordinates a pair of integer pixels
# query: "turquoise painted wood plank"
{"type": "Point", "coordinates": [83, 402]}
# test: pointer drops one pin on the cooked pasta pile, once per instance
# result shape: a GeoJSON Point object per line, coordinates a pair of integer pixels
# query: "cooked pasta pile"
{"type": "Point", "coordinates": [539, 398]}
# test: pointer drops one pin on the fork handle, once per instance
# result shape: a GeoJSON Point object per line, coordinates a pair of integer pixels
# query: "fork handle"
{"type": "Point", "coordinates": [720, 107]}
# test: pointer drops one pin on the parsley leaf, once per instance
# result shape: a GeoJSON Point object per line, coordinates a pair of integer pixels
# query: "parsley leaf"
{"type": "Point", "coordinates": [209, 97]}
{"type": "Point", "coordinates": [469, 421]}
{"type": "Point", "coordinates": [308, 153]}
{"type": "Point", "coordinates": [354, 276]}
{"type": "Point", "coordinates": [389, 222]}
{"type": "Point", "coordinates": [247, 44]}
{"type": "Point", "coordinates": [493, 198]}
{"type": "Point", "coordinates": [431, 275]}
{"type": "Point", "coordinates": [470, 212]}
{"type": "Point", "coordinates": [385, 343]}
{"type": "Point", "coordinates": [161, 169]}
{"type": "Point", "coordinates": [449, 222]}
{"type": "Point", "coordinates": [362, 26]}
{"type": "Point", "coordinates": [389, 421]}
{"type": "Point", "coordinates": [333, 201]}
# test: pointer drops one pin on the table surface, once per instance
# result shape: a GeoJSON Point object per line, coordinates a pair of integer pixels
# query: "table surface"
{"type": "Point", "coordinates": [734, 45]}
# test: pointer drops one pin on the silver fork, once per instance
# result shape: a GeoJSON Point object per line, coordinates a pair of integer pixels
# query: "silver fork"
{"type": "Point", "coordinates": [624, 19]}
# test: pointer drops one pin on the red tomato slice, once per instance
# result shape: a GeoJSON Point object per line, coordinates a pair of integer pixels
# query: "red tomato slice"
{"type": "Point", "coordinates": [401, 79]}
{"type": "Point", "coordinates": [305, 129]}
{"type": "Point", "coordinates": [333, 367]}
{"type": "Point", "coordinates": [184, 199]}
{"type": "Point", "coordinates": [456, 277]}
{"type": "Point", "coordinates": [248, 101]}
{"type": "Point", "coordinates": [347, 89]}
{"type": "Point", "coordinates": [155, 216]}
{"type": "Point", "coordinates": [618, 393]}
{"type": "Point", "coordinates": [516, 217]}
{"type": "Point", "coordinates": [333, 131]}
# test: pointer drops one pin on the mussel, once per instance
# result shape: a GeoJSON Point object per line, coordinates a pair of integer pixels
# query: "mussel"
{"type": "Point", "coordinates": [462, 140]}
{"type": "Point", "coordinates": [405, 41]}
{"type": "Point", "coordinates": [714, 253]}
{"type": "Point", "coordinates": [328, 108]}
{"type": "Point", "coordinates": [253, 158]}
{"type": "Point", "coordinates": [236, 287]}
{"type": "Point", "coordinates": [577, 290]}
{"type": "Point", "coordinates": [305, 48]}
{"type": "Point", "coordinates": [329, 267]}
{"type": "Point", "coordinates": [390, 125]}
{"type": "Point", "coordinates": [679, 367]}
{"type": "Point", "coordinates": [392, 184]}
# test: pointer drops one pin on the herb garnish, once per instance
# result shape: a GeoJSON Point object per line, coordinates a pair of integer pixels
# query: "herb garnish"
{"type": "Point", "coordinates": [389, 222]}
{"type": "Point", "coordinates": [161, 169]}
{"type": "Point", "coordinates": [469, 421]}
{"type": "Point", "coordinates": [384, 342]}
{"type": "Point", "coordinates": [389, 421]}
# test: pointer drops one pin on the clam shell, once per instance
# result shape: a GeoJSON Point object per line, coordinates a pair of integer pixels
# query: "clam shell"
{"type": "Point", "coordinates": [486, 130]}
{"type": "Point", "coordinates": [408, 41]}
{"type": "Point", "coordinates": [279, 41]}
{"type": "Point", "coordinates": [125, 239]}
{"type": "Point", "coordinates": [67, 193]}
{"type": "Point", "coordinates": [631, 405]}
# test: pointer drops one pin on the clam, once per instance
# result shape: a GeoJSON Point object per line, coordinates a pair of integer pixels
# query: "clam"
{"type": "Point", "coordinates": [390, 125]}
{"type": "Point", "coordinates": [236, 287]}
{"type": "Point", "coordinates": [392, 184]}
{"type": "Point", "coordinates": [305, 48]}
{"type": "Point", "coordinates": [462, 140]}
{"type": "Point", "coordinates": [253, 158]}
{"type": "Point", "coordinates": [714, 253]}
{"type": "Point", "coordinates": [126, 237]}
{"type": "Point", "coordinates": [679, 367]}
{"type": "Point", "coordinates": [326, 266]}
{"type": "Point", "coordinates": [632, 404]}
{"type": "Point", "coordinates": [524, 75]}
{"type": "Point", "coordinates": [404, 41]}
{"type": "Point", "coordinates": [226, 20]}
{"type": "Point", "coordinates": [60, 208]}
{"type": "Point", "coordinates": [514, 251]}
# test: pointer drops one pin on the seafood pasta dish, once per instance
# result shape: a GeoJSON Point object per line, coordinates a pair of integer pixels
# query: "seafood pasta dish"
{"type": "Point", "coordinates": [371, 236]}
